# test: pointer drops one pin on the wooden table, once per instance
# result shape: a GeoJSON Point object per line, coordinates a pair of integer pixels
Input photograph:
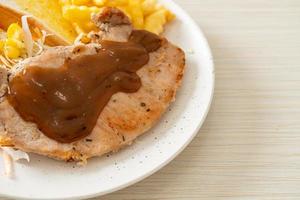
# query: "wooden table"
{"type": "Point", "coordinates": [249, 147]}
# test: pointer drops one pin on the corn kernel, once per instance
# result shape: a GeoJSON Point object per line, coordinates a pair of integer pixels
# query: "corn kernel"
{"type": "Point", "coordinates": [11, 51]}
{"type": "Point", "coordinates": [14, 43]}
{"type": "Point", "coordinates": [15, 31]}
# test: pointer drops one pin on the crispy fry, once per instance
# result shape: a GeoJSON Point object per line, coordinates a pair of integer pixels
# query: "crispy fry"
{"type": "Point", "coordinates": [51, 13]}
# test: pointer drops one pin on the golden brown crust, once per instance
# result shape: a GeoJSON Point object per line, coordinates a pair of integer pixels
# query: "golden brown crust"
{"type": "Point", "coordinates": [71, 155]}
{"type": "Point", "coordinates": [6, 141]}
{"type": "Point", "coordinates": [125, 117]}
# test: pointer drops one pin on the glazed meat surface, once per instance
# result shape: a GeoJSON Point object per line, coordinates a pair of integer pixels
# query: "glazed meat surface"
{"type": "Point", "coordinates": [125, 117]}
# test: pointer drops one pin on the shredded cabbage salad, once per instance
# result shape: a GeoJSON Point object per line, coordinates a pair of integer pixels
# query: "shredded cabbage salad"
{"type": "Point", "coordinates": [27, 46]}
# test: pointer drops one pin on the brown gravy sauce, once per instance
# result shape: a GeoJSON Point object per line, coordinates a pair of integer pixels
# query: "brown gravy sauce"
{"type": "Point", "coordinates": [65, 102]}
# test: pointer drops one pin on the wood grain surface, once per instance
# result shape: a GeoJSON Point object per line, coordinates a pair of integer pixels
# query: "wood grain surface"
{"type": "Point", "coordinates": [249, 146]}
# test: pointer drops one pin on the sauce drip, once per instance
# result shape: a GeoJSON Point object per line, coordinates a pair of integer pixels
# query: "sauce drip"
{"type": "Point", "coordinates": [65, 102]}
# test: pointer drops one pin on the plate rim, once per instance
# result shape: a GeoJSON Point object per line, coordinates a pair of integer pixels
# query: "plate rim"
{"type": "Point", "coordinates": [199, 32]}
{"type": "Point", "coordinates": [171, 158]}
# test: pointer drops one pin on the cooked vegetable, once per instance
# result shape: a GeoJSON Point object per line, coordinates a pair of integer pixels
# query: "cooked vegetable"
{"type": "Point", "coordinates": [28, 40]}
{"type": "Point", "coordinates": [145, 14]}
{"type": "Point", "coordinates": [11, 45]}
{"type": "Point", "coordinates": [18, 43]}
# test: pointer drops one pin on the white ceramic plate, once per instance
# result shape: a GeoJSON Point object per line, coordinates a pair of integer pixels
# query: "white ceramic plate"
{"type": "Point", "coordinates": [44, 178]}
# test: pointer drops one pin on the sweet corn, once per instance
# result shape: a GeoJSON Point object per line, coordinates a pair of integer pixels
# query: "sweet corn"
{"type": "Point", "coordinates": [13, 46]}
{"type": "Point", "coordinates": [11, 51]}
{"type": "Point", "coordinates": [15, 43]}
{"type": "Point", "coordinates": [15, 31]}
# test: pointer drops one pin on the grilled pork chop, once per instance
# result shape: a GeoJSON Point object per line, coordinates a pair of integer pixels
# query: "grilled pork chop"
{"type": "Point", "coordinates": [124, 118]}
